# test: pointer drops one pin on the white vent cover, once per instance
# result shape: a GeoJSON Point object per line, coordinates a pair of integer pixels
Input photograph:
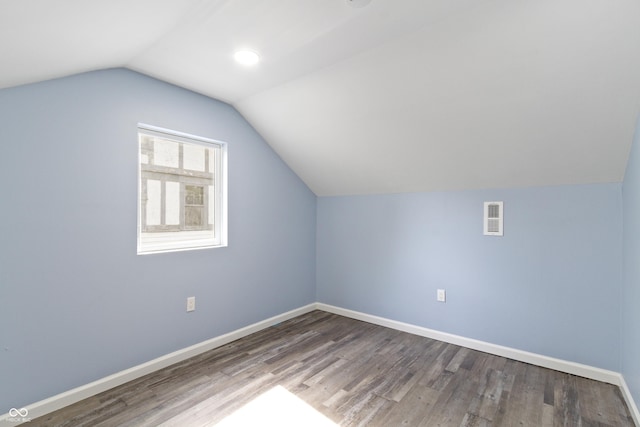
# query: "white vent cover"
{"type": "Point", "coordinates": [493, 218]}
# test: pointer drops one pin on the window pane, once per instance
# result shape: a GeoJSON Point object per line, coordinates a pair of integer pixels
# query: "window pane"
{"type": "Point", "coordinates": [193, 156]}
{"type": "Point", "coordinates": [154, 193]}
{"type": "Point", "coordinates": [172, 203]}
{"type": "Point", "coordinates": [193, 216]}
{"type": "Point", "coordinates": [194, 195]}
{"type": "Point", "coordinates": [212, 207]}
{"type": "Point", "coordinates": [166, 153]}
{"type": "Point", "coordinates": [194, 209]}
{"type": "Point", "coordinates": [180, 192]}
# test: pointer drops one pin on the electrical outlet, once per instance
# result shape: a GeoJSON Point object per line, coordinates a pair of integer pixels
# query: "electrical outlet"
{"type": "Point", "coordinates": [191, 303]}
{"type": "Point", "coordinates": [442, 297]}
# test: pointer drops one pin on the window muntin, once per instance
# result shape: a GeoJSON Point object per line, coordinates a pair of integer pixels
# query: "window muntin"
{"type": "Point", "coordinates": [182, 189]}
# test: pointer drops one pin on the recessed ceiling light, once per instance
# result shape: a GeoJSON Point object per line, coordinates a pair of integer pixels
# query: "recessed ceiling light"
{"type": "Point", "coordinates": [246, 57]}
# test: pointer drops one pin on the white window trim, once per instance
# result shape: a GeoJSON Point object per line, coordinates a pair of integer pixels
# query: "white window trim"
{"type": "Point", "coordinates": [220, 204]}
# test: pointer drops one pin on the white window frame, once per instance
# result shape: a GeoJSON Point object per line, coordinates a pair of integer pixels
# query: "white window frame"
{"type": "Point", "coordinates": [171, 241]}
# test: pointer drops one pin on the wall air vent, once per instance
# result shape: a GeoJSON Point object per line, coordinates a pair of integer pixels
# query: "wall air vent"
{"type": "Point", "coordinates": [493, 218]}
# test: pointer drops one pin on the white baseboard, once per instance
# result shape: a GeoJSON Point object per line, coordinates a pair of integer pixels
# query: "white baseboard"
{"type": "Point", "coordinates": [67, 398]}
{"type": "Point", "coordinates": [61, 400]}
{"type": "Point", "coordinates": [633, 408]}
{"type": "Point", "coordinates": [522, 356]}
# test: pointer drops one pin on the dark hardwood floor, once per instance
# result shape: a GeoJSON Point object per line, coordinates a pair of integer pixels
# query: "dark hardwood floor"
{"type": "Point", "coordinates": [356, 374]}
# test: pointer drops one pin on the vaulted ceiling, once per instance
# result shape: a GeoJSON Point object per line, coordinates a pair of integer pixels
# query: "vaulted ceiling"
{"type": "Point", "coordinates": [394, 96]}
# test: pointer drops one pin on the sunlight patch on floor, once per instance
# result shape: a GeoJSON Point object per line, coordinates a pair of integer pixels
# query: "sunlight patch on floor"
{"type": "Point", "coordinates": [277, 407]}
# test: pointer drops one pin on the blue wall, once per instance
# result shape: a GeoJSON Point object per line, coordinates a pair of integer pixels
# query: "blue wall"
{"type": "Point", "coordinates": [551, 285]}
{"type": "Point", "coordinates": [631, 286]}
{"type": "Point", "coordinates": [77, 302]}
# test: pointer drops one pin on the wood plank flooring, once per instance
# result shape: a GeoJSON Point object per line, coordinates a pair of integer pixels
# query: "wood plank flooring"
{"type": "Point", "coordinates": [356, 374]}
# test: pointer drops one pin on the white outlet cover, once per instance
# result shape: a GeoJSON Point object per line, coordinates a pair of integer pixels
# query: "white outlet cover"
{"type": "Point", "coordinates": [441, 295]}
{"type": "Point", "coordinates": [191, 303]}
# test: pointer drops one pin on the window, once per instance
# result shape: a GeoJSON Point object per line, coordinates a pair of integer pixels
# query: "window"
{"type": "Point", "coordinates": [182, 191]}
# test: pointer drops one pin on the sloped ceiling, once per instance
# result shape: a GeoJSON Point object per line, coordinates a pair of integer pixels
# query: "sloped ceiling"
{"type": "Point", "coordinates": [396, 96]}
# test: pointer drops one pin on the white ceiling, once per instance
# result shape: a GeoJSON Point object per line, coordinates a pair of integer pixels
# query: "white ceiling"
{"type": "Point", "coordinates": [397, 96]}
